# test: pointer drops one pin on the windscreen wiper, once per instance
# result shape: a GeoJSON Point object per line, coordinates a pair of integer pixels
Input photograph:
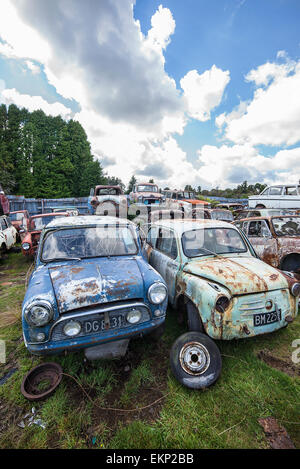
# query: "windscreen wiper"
{"type": "Point", "coordinates": [62, 259]}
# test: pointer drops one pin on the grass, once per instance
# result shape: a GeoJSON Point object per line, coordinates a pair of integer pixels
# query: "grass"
{"type": "Point", "coordinates": [76, 416]}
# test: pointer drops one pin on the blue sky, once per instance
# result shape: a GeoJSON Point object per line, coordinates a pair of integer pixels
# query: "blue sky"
{"type": "Point", "coordinates": [195, 92]}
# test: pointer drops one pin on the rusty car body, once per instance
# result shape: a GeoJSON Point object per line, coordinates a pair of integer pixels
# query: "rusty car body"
{"type": "Point", "coordinates": [262, 212]}
{"type": "Point", "coordinates": [91, 289]}
{"type": "Point", "coordinates": [280, 196]}
{"type": "Point", "coordinates": [36, 223]}
{"type": "Point", "coordinates": [20, 220]}
{"type": "Point", "coordinates": [4, 203]}
{"type": "Point", "coordinates": [276, 239]}
{"type": "Point", "coordinates": [108, 200]}
{"type": "Point", "coordinates": [145, 193]}
{"type": "Point", "coordinates": [185, 201]}
{"type": "Point", "coordinates": [8, 234]}
{"type": "Point", "coordinates": [215, 278]}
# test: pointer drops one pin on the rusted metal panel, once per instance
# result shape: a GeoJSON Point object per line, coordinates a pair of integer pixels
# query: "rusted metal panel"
{"type": "Point", "coordinates": [96, 293]}
{"type": "Point", "coordinates": [258, 297]}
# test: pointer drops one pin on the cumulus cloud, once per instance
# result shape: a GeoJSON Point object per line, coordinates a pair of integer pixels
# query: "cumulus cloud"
{"type": "Point", "coordinates": [272, 117]}
{"type": "Point", "coordinates": [33, 103]}
{"type": "Point", "coordinates": [204, 92]}
{"type": "Point", "coordinates": [228, 165]}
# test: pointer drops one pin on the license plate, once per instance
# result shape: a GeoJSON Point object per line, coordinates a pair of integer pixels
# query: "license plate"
{"type": "Point", "coordinates": [98, 325]}
{"type": "Point", "coordinates": [262, 319]}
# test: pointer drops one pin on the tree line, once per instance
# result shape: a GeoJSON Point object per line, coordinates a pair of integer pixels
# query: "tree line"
{"type": "Point", "coordinates": [45, 157]}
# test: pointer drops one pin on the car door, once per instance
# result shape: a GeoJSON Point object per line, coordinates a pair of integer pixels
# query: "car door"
{"type": "Point", "coordinates": [164, 256]}
{"type": "Point", "coordinates": [261, 238]}
{"type": "Point", "coordinates": [291, 198]}
{"type": "Point", "coordinates": [10, 232]}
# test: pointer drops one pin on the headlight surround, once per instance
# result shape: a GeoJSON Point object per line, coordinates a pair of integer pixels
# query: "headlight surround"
{"type": "Point", "coordinates": [222, 303]}
{"type": "Point", "coordinates": [295, 289]}
{"type": "Point", "coordinates": [39, 313]}
{"type": "Point", "coordinates": [72, 328]}
{"type": "Point", "coordinates": [25, 246]}
{"type": "Point", "coordinates": [157, 293]}
{"type": "Point", "coordinates": [134, 316]}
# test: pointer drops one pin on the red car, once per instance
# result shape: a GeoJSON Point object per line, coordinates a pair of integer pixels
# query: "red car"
{"type": "Point", "coordinates": [36, 224]}
{"type": "Point", "coordinates": [4, 203]}
{"type": "Point", "coordinates": [20, 220]}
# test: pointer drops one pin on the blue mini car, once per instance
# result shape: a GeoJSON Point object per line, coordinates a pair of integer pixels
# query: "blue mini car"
{"type": "Point", "coordinates": [92, 288]}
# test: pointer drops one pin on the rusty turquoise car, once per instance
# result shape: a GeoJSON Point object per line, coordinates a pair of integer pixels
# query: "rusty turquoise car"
{"type": "Point", "coordinates": [217, 281]}
{"type": "Point", "coordinates": [91, 289]}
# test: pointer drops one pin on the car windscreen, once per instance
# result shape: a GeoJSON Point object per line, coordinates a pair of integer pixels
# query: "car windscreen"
{"type": "Point", "coordinates": [222, 215]}
{"type": "Point", "coordinates": [85, 242]}
{"type": "Point", "coordinates": [16, 216]}
{"type": "Point", "coordinates": [287, 226]}
{"type": "Point", "coordinates": [40, 222]}
{"type": "Point", "coordinates": [108, 191]}
{"type": "Point", "coordinates": [146, 188]}
{"type": "Point", "coordinates": [207, 241]}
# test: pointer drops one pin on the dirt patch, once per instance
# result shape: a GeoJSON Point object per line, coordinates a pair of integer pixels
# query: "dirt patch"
{"type": "Point", "coordinates": [283, 365]}
{"type": "Point", "coordinates": [148, 401]}
{"type": "Point", "coordinates": [277, 435]}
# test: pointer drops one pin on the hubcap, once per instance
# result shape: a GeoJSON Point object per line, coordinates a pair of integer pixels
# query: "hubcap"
{"type": "Point", "coordinates": [194, 358]}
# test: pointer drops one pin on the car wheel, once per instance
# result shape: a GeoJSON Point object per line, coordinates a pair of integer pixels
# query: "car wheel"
{"type": "Point", "coordinates": [195, 360]}
{"type": "Point", "coordinates": [194, 320]}
{"type": "Point", "coordinates": [260, 206]}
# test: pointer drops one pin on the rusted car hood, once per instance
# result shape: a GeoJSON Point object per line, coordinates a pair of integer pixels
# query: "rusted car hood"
{"type": "Point", "coordinates": [240, 275]}
{"type": "Point", "coordinates": [95, 282]}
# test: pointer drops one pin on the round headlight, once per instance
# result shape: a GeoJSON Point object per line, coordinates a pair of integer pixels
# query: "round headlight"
{"type": "Point", "coordinates": [25, 246]}
{"type": "Point", "coordinates": [39, 314]}
{"type": "Point", "coordinates": [134, 316]}
{"type": "Point", "coordinates": [222, 304]}
{"type": "Point", "coordinates": [295, 289]}
{"type": "Point", "coordinates": [72, 328]}
{"type": "Point", "coordinates": [157, 293]}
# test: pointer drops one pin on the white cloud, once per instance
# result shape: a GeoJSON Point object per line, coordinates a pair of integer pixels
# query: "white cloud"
{"type": "Point", "coordinates": [272, 117]}
{"type": "Point", "coordinates": [229, 165]}
{"type": "Point", "coordinates": [204, 92]}
{"type": "Point", "coordinates": [34, 68]}
{"type": "Point", "coordinates": [130, 107]}
{"type": "Point", "coordinates": [33, 103]}
{"type": "Point", "coordinates": [163, 26]}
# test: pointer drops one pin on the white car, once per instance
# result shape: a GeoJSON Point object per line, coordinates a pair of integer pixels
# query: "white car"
{"type": "Point", "coordinates": [281, 196]}
{"type": "Point", "coordinates": [8, 234]}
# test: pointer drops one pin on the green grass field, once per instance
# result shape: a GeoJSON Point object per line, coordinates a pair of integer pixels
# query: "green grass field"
{"type": "Point", "coordinates": [136, 402]}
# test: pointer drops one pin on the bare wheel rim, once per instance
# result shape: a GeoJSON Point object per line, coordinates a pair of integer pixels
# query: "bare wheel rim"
{"type": "Point", "coordinates": [194, 358]}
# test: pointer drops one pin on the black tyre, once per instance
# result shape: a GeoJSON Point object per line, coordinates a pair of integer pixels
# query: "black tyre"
{"type": "Point", "coordinates": [193, 317]}
{"type": "Point", "coordinates": [195, 360]}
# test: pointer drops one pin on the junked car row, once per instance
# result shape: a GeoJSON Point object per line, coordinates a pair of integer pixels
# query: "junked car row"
{"type": "Point", "coordinates": [100, 281]}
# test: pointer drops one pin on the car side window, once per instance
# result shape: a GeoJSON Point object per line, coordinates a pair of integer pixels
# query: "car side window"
{"type": "Point", "coordinates": [3, 224]}
{"type": "Point", "coordinates": [166, 243]}
{"type": "Point", "coordinates": [275, 190]}
{"type": "Point", "coordinates": [291, 190]}
{"type": "Point", "coordinates": [258, 228]}
{"type": "Point", "coordinates": [152, 236]}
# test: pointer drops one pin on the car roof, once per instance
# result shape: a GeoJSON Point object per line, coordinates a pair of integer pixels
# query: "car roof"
{"type": "Point", "coordinates": [189, 224]}
{"type": "Point", "coordinates": [51, 214]}
{"type": "Point", "coordinates": [88, 220]}
{"type": "Point", "coordinates": [267, 217]}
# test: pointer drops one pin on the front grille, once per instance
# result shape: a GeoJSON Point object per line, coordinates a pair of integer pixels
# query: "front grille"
{"type": "Point", "coordinates": [249, 305]}
{"type": "Point", "coordinates": [93, 322]}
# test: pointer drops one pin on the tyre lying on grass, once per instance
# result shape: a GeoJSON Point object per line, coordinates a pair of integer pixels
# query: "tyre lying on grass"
{"type": "Point", "coordinates": [195, 360]}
